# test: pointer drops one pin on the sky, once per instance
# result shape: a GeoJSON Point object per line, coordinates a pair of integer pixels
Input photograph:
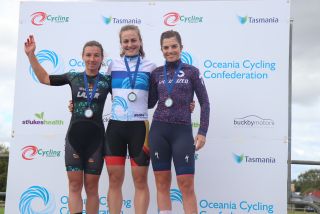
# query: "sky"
{"type": "Point", "coordinates": [305, 77]}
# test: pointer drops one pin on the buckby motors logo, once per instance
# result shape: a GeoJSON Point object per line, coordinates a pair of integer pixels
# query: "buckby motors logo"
{"type": "Point", "coordinates": [31, 152]}
{"type": "Point", "coordinates": [174, 18]}
{"type": "Point", "coordinates": [40, 18]}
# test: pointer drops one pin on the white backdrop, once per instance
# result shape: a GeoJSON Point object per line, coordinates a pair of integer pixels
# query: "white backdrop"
{"type": "Point", "coordinates": [242, 51]}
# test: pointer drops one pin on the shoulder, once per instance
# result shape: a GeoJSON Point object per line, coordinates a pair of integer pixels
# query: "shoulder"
{"type": "Point", "coordinates": [147, 65]}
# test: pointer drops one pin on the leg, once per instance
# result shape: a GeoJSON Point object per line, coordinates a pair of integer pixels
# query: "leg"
{"type": "Point", "coordinates": [186, 186]}
{"type": "Point", "coordinates": [116, 177]}
{"type": "Point", "coordinates": [163, 184]}
{"type": "Point", "coordinates": [75, 188]}
{"type": "Point", "coordinates": [91, 184]}
{"type": "Point", "coordinates": [141, 195]}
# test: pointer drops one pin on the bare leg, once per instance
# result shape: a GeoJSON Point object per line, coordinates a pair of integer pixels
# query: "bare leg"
{"type": "Point", "coordinates": [75, 188]}
{"type": "Point", "coordinates": [142, 195]}
{"type": "Point", "coordinates": [163, 183]}
{"type": "Point", "coordinates": [186, 186]}
{"type": "Point", "coordinates": [116, 177]}
{"type": "Point", "coordinates": [91, 184]}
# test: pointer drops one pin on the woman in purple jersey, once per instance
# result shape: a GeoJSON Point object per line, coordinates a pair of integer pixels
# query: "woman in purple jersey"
{"type": "Point", "coordinates": [172, 87]}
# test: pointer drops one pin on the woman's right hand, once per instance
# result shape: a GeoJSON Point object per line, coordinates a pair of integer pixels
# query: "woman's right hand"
{"type": "Point", "coordinates": [70, 106]}
{"type": "Point", "coordinates": [30, 45]}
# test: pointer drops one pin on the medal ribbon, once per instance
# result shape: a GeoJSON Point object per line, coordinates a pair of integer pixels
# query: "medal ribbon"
{"type": "Point", "coordinates": [90, 96]}
{"type": "Point", "coordinates": [170, 86]}
{"type": "Point", "coordinates": [135, 74]}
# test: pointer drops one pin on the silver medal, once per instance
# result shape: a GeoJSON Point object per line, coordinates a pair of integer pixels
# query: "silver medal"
{"type": "Point", "coordinates": [168, 103]}
{"type": "Point", "coordinates": [88, 113]}
{"type": "Point", "coordinates": [132, 97]}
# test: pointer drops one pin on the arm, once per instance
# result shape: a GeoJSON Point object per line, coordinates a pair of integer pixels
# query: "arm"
{"type": "Point", "coordinates": [203, 98]}
{"type": "Point", "coordinates": [41, 73]}
{"type": "Point", "coordinates": [153, 91]}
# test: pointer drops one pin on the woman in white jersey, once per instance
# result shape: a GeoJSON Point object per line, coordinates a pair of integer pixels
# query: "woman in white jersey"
{"type": "Point", "coordinates": [128, 127]}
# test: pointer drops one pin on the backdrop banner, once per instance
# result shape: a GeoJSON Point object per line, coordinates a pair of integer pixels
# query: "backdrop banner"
{"type": "Point", "coordinates": [242, 51]}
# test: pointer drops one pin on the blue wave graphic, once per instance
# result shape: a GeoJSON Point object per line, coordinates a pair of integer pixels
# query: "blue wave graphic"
{"type": "Point", "coordinates": [186, 58]}
{"type": "Point", "coordinates": [35, 192]}
{"type": "Point", "coordinates": [142, 82]}
{"type": "Point", "coordinates": [43, 56]}
{"type": "Point", "coordinates": [175, 195]}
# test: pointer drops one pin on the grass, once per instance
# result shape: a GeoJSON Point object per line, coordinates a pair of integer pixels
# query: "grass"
{"type": "Point", "coordinates": [1, 210]}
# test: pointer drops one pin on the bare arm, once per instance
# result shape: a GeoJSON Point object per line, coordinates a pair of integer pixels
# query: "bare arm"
{"type": "Point", "coordinates": [40, 72]}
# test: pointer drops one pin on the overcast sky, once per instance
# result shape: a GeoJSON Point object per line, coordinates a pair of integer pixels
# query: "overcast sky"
{"type": "Point", "coordinates": [305, 77]}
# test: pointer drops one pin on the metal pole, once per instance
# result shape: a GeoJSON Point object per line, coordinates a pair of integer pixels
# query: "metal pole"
{"type": "Point", "coordinates": [289, 112]}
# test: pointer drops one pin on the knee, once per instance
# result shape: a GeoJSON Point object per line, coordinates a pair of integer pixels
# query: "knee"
{"type": "Point", "coordinates": [91, 188]}
{"type": "Point", "coordinates": [115, 180]}
{"type": "Point", "coordinates": [75, 186]}
{"type": "Point", "coordinates": [186, 186]}
{"type": "Point", "coordinates": [140, 182]}
{"type": "Point", "coordinates": [163, 185]}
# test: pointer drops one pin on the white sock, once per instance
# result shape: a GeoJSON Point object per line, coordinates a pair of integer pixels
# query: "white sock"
{"type": "Point", "coordinates": [165, 212]}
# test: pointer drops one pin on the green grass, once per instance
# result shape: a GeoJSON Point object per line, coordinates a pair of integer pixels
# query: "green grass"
{"type": "Point", "coordinates": [299, 212]}
{"type": "Point", "coordinates": [1, 210]}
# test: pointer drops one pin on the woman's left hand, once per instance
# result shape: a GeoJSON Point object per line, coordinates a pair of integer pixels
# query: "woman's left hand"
{"type": "Point", "coordinates": [199, 141]}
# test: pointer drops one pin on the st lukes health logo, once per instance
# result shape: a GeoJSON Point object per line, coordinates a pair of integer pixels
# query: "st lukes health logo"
{"type": "Point", "coordinates": [174, 18]}
{"type": "Point", "coordinates": [40, 18]}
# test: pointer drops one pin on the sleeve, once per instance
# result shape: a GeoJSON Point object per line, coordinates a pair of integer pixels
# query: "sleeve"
{"type": "Point", "coordinates": [109, 81]}
{"type": "Point", "coordinates": [153, 91]}
{"type": "Point", "coordinates": [202, 95]}
{"type": "Point", "coordinates": [58, 80]}
{"type": "Point", "coordinates": [108, 73]}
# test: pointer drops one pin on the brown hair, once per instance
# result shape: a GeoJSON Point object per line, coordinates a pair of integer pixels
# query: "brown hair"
{"type": "Point", "coordinates": [134, 28]}
{"type": "Point", "coordinates": [170, 34]}
{"type": "Point", "coordinates": [94, 43]}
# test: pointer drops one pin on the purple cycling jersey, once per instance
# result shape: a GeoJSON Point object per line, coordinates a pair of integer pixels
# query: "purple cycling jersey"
{"type": "Point", "coordinates": [188, 82]}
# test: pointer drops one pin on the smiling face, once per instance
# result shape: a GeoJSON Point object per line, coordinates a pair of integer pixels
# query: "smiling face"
{"type": "Point", "coordinates": [92, 57]}
{"type": "Point", "coordinates": [171, 49]}
{"type": "Point", "coordinates": [130, 42]}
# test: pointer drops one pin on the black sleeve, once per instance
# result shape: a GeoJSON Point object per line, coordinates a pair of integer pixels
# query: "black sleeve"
{"type": "Point", "coordinates": [57, 80]}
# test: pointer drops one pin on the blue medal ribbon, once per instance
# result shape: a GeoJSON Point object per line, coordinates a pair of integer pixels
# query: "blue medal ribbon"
{"type": "Point", "coordinates": [134, 78]}
{"type": "Point", "coordinates": [170, 86]}
{"type": "Point", "coordinates": [95, 86]}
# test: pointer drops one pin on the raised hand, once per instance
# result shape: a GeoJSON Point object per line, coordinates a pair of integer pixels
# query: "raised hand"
{"type": "Point", "coordinates": [30, 45]}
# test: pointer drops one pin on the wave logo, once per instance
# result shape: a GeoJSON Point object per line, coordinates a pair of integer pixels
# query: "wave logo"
{"type": "Point", "coordinates": [38, 18]}
{"type": "Point", "coordinates": [243, 19]}
{"type": "Point", "coordinates": [253, 121]}
{"type": "Point", "coordinates": [119, 107]}
{"type": "Point", "coordinates": [32, 195]}
{"type": "Point", "coordinates": [171, 18]}
{"type": "Point", "coordinates": [46, 57]}
{"type": "Point", "coordinates": [238, 158]}
{"type": "Point", "coordinates": [142, 82]}
{"type": "Point", "coordinates": [29, 152]}
{"type": "Point", "coordinates": [176, 195]}
{"type": "Point", "coordinates": [186, 58]}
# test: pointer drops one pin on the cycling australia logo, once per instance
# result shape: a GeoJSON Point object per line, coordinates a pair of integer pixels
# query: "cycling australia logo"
{"type": "Point", "coordinates": [120, 20]}
{"type": "Point", "coordinates": [50, 61]}
{"type": "Point", "coordinates": [174, 18]}
{"type": "Point", "coordinates": [41, 18]}
{"type": "Point", "coordinates": [176, 195]}
{"type": "Point", "coordinates": [35, 197]}
{"type": "Point", "coordinates": [253, 121]}
{"type": "Point", "coordinates": [32, 152]}
{"type": "Point", "coordinates": [40, 120]}
{"type": "Point", "coordinates": [257, 20]}
{"type": "Point", "coordinates": [249, 159]}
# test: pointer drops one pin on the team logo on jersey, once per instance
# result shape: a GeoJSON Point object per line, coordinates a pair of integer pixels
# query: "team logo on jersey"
{"type": "Point", "coordinates": [32, 196]}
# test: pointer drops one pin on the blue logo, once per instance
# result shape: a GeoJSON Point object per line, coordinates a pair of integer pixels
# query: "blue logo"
{"type": "Point", "coordinates": [242, 19]}
{"type": "Point", "coordinates": [44, 56]}
{"type": "Point", "coordinates": [238, 158]}
{"type": "Point", "coordinates": [175, 195]}
{"type": "Point", "coordinates": [36, 192]}
{"type": "Point", "coordinates": [122, 21]}
{"type": "Point", "coordinates": [186, 58]}
{"type": "Point", "coordinates": [106, 20]}
{"type": "Point", "coordinates": [249, 159]}
{"type": "Point", "coordinates": [142, 82]}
